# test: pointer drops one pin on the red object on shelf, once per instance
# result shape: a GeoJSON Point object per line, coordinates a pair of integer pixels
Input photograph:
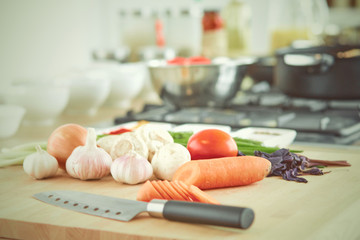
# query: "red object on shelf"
{"type": "Point", "coordinates": [160, 39]}
{"type": "Point", "coordinates": [212, 21]}
{"type": "Point", "coordinates": [189, 61]}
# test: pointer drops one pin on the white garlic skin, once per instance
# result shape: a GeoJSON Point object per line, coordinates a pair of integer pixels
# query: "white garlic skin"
{"type": "Point", "coordinates": [88, 165]}
{"type": "Point", "coordinates": [131, 168]}
{"type": "Point", "coordinates": [40, 164]}
{"type": "Point", "coordinates": [89, 161]}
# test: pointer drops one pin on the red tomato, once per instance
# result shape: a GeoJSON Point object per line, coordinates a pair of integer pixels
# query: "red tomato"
{"type": "Point", "coordinates": [211, 143]}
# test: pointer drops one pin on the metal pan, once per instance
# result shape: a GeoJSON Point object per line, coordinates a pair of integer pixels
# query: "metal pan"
{"type": "Point", "coordinates": [319, 72]}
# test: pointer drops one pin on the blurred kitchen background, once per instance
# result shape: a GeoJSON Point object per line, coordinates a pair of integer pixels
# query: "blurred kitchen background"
{"type": "Point", "coordinates": [76, 43]}
{"type": "Point", "coordinates": [43, 38]}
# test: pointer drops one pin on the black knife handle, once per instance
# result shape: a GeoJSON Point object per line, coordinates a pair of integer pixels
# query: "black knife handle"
{"type": "Point", "coordinates": [220, 215]}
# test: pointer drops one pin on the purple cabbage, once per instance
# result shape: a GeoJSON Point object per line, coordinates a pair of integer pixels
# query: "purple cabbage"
{"type": "Point", "coordinates": [288, 165]}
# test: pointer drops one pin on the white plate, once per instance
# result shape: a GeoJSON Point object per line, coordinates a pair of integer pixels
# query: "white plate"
{"type": "Point", "coordinates": [270, 137]}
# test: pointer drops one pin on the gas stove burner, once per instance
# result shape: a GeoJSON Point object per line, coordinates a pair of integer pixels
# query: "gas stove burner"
{"type": "Point", "coordinates": [336, 122]}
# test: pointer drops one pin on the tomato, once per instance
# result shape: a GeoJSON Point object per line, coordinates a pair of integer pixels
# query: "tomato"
{"type": "Point", "coordinates": [211, 143]}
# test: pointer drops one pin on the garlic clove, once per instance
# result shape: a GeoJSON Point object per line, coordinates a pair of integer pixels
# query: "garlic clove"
{"type": "Point", "coordinates": [131, 168]}
{"type": "Point", "coordinates": [89, 161]}
{"type": "Point", "coordinates": [40, 164]}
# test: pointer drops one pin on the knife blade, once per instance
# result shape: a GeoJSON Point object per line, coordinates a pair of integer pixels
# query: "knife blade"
{"type": "Point", "coordinates": [125, 210]}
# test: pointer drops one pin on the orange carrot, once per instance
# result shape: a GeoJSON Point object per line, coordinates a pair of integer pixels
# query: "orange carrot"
{"type": "Point", "coordinates": [223, 172]}
{"type": "Point", "coordinates": [185, 189]}
{"type": "Point", "coordinates": [148, 192]}
{"type": "Point", "coordinates": [162, 191]}
{"type": "Point", "coordinates": [196, 194]}
{"type": "Point", "coordinates": [200, 196]}
{"type": "Point", "coordinates": [181, 191]}
{"type": "Point", "coordinates": [170, 191]}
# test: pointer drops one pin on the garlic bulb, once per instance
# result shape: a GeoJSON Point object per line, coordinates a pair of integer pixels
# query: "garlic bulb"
{"type": "Point", "coordinates": [89, 161]}
{"type": "Point", "coordinates": [131, 168]}
{"type": "Point", "coordinates": [40, 164]}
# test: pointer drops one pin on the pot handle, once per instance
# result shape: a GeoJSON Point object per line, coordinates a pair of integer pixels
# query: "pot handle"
{"type": "Point", "coordinates": [352, 53]}
{"type": "Point", "coordinates": [318, 62]}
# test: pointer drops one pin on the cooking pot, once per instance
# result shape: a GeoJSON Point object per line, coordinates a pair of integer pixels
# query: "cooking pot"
{"type": "Point", "coordinates": [322, 72]}
{"type": "Point", "coordinates": [263, 69]}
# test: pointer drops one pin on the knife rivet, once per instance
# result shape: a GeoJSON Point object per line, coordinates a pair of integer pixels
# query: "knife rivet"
{"type": "Point", "coordinates": [75, 204]}
{"type": "Point", "coordinates": [50, 196]}
{"type": "Point", "coordinates": [118, 213]}
{"type": "Point", "coordinates": [66, 202]}
{"type": "Point", "coordinates": [57, 199]}
{"type": "Point", "coordinates": [86, 206]}
{"type": "Point", "coordinates": [95, 209]}
{"type": "Point", "coordinates": [107, 211]}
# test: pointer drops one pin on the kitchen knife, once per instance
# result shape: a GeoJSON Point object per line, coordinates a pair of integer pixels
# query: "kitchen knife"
{"type": "Point", "coordinates": [125, 210]}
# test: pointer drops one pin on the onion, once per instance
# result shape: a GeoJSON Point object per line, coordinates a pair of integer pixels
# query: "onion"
{"type": "Point", "coordinates": [63, 140]}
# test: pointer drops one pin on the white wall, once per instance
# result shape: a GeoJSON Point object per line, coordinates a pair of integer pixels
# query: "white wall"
{"type": "Point", "coordinates": [42, 38]}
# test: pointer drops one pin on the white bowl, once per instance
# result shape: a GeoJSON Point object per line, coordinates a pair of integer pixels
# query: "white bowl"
{"type": "Point", "coordinates": [10, 119]}
{"type": "Point", "coordinates": [127, 81]}
{"type": "Point", "coordinates": [88, 91]}
{"type": "Point", "coordinates": [43, 101]}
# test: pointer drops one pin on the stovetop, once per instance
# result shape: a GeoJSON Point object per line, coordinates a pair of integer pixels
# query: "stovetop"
{"type": "Point", "coordinates": [316, 121]}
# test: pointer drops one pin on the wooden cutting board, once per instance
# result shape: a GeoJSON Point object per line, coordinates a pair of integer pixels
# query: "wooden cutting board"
{"type": "Point", "coordinates": [327, 207]}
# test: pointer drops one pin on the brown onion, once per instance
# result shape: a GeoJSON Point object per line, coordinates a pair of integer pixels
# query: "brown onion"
{"type": "Point", "coordinates": [63, 140]}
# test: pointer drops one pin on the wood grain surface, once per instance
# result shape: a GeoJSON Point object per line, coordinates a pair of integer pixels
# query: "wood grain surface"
{"type": "Point", "coordinates": [327, 207]}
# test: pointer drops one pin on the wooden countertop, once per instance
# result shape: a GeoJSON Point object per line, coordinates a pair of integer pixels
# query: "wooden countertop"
{"type": "Point", "coordinates": [327, 207]}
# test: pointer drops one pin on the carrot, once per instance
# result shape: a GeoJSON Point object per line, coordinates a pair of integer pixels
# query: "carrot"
{"type": "Point", "coordinates": [178, 188]}
{"type": "Point", "coordinates": [148, 192]}
{"type": "Point", "coordinates": [223, 172]}
{"type": "Point", "coordinates": [201, 196]}
{"type": "Point", "coordinates": [185, 189]}
{"type": "Point", "coordinates": [196, 194]}
{"type": "Point", "coordinates": [170, 191]}
{"type": "Point", "coordinates": [162, 191]}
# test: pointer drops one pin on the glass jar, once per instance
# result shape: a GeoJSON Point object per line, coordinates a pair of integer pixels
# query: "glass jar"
{"type": "Point", "coordinates": [183, 30]}
{"type": "Point", "coordinates": [214, 43]}
{"type": "Point", "coordinates": [137, 29]}
{"type": "Point", "coordinates": [294, 20]}
{"type": "Point", "coordinates": [237, 17]}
